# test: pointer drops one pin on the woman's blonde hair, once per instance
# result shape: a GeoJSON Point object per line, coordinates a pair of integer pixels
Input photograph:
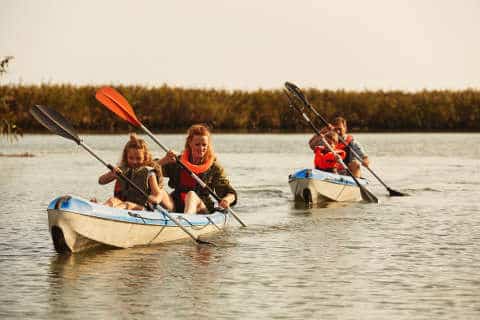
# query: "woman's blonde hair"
{"type": "Point", "coordinates": [139, 144]}
{"type": "Point", "coordinates": [200, 130]}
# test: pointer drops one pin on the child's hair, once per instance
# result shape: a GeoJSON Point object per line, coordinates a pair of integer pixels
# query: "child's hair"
{"type": "Point", "coordinates": [200, 130]}
{"type": "Point", "coordinates": [140, 144]}
{"type": "Point", "coordinates": [332, 136]}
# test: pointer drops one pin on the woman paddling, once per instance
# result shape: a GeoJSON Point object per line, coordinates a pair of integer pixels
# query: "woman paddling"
{"type": "Point", "coordinates": [200, 158]}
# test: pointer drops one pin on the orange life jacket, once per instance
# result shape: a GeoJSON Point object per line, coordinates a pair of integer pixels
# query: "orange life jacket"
{"type": "Point", "coordinates": [325, 159]}
{"type": "Point", "coordinates": [196, 168]}
{"type": "Point", "coordinates": [186, 182]}
{"type": "Point", "coordinates": [347, 140]}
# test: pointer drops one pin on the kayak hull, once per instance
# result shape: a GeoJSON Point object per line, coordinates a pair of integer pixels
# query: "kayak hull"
{"type": "Point", "coordinates": [77, 225]}
{"type": "Point", "coordinates": [316, 186]}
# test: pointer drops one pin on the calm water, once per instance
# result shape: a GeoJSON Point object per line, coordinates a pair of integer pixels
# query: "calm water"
{"type": "Point", "coordinates": [414, 257]}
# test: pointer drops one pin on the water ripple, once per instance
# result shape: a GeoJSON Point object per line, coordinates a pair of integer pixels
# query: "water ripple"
{"type": "Point", "coordinates": [410, 257]}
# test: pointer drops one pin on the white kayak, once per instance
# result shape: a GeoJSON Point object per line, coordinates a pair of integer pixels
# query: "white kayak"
{"type": "Point", "coordinates": [77, 225]}
{"type": "Point", "coordinates": [316, 186]}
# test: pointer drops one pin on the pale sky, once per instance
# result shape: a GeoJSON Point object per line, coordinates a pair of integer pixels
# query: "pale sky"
{"type": "Point", "coordinates": [244, 44]}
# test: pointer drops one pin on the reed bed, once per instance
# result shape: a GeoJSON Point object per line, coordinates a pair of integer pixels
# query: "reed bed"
{"type": "Point", "coordinates": [171, 109]}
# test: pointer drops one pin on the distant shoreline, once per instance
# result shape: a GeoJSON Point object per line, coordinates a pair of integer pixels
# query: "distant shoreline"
{"type": "Point", "coordinates": [17, 155]}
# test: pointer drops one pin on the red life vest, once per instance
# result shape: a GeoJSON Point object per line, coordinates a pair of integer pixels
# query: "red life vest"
{"type": "Point", "coordinates": [186, 182]}
{"type": "Point", "coordinates": [347, 140]}
{"type": "Point", "coordinates": [325, 159]}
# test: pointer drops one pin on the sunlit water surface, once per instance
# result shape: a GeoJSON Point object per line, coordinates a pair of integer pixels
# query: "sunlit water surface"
{"type": "Point", "coordinates": [414, 257]}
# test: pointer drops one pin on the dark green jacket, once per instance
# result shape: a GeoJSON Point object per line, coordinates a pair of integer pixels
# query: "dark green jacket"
{"type": "Point", "coordinates": [214, 177]}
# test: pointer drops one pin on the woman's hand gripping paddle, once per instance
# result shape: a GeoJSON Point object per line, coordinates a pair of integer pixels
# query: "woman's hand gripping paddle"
{"type": "Point", "coordinates": [116, 103]}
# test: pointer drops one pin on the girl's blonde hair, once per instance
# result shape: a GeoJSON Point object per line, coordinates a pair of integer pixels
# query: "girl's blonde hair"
{"type": "Point", "coordinates": [200, 130]}
{"type": "Point", "coordinates": [139, 144]}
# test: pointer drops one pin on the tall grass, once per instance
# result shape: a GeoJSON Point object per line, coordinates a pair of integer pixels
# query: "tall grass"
{"type": "Point", "coordinates": [170, 109]}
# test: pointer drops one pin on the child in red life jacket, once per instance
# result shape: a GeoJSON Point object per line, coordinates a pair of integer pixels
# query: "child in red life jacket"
{"type": "Point", "coordinates": [325, 159]}
{"type": "Point", "coordinates": [138, 166]}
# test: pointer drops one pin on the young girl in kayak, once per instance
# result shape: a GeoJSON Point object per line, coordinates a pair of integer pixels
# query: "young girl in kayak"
{"type": "Point", "coordinates": [325, 159]}
{"type": "Point", "coordinates": [137, 165]}
{"type": "Point", "coordinates": [200, 158]}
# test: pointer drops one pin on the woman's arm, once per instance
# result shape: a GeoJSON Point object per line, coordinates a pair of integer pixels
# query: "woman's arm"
{"type": "Point", "coordinates": [223, 188]}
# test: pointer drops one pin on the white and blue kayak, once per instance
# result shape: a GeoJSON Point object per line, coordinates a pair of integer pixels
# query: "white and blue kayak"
{"type": "Point", "coordinates": [317, 186]}
{"type": "Point", "coordinates": [77, 225]}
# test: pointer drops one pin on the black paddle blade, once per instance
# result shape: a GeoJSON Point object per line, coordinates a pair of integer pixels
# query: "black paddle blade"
{"type": "Point", "coordinates": [290, 99]}
{"type": "Point", "coordinates": [395, 193]}
{"type": "Point", "coordinates": [367, 195]}
{"type": "Point", "coordinates": [296, 92]}
{"type": "Point", "coordinates": [55, 122]}
{"type": "Point", "coordinates": [294, 104]}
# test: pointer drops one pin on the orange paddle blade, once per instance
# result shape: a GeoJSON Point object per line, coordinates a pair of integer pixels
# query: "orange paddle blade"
{"type": "Point", "coordinates": [116, 103]}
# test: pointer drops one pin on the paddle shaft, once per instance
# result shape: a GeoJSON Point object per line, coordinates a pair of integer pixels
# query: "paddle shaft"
{"type": "Point", "coordinates": [193, 175]}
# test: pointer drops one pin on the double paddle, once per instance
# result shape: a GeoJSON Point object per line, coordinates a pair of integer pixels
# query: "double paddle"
{"type": "Point", "coordinates": [116, 103]}
{"type": "Point", "coordinates": [56, 123]}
